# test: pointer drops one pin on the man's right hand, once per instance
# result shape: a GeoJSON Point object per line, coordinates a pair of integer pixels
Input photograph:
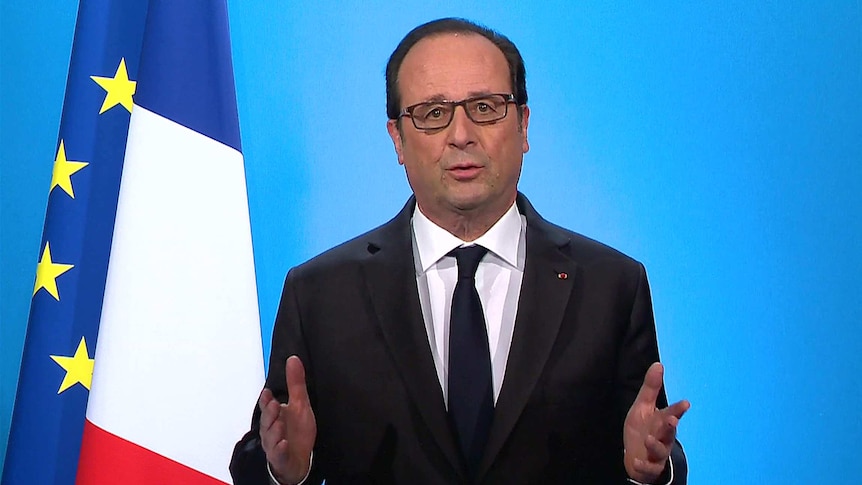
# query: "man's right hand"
{"type": "Point", "coordinates": [288, 431]}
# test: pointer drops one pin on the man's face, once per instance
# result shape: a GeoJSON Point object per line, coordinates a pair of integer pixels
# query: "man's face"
{"type": "Point", "coordinates": [464, 169]}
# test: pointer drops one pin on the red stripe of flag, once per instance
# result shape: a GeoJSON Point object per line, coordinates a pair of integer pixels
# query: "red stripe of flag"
{"type": "Point", "coordinates": [107, 458]}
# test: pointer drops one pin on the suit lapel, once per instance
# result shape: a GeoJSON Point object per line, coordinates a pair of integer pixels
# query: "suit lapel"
{"type": "Point", "coordinates": [545, 291]}
{"type": "Point", "coordinates": [391, 280]}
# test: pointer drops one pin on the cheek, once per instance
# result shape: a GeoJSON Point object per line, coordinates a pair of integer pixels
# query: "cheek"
{"type": "Point", "coordinates": [422, 152]}
{"type": "Point", "coordinates": [422, 164]}
{"type": "Point", "coordinates": [509, 153]}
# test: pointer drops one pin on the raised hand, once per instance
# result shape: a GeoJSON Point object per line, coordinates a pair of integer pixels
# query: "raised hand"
{"type": "Point", "coordinates": [288, 431]}
{"type": "Point", "coordinates": [649, 433]}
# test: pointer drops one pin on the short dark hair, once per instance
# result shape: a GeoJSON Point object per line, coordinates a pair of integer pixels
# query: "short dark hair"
{"type": "Point", "coordinates": [517, 72]}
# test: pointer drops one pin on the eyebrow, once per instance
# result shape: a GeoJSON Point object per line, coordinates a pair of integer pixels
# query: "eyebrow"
{"type": "Point", "coordinates": [435, 98]}
{"type": "Point", "coordinates": [472, 94]}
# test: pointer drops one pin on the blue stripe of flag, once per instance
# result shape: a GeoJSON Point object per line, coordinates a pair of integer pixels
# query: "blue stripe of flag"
{"type": "Point", "coordinates": [192, 85]}
{"type": "Point", "coordinates": [45, 437]}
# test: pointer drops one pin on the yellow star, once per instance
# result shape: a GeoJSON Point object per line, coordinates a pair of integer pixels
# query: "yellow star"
{"type": "Point", "coordinates": [119, 88]}
{"type": "Point", "coordinates": [63, 170]}
{"type": "Point", "coordinates": [79, 368]}
{"type": "Point", "coordinates": [47, 272]}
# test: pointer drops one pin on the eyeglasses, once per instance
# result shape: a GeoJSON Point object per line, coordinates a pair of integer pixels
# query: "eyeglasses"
{"type": "Point", "coordinates": [436, 115]}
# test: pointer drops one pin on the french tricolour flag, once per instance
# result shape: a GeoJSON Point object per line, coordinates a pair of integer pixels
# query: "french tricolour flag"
{"type": "Point", "coordinates": [178, 360]}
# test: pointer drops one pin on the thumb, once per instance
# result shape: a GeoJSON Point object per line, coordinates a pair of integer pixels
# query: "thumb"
{"type": "Point", "coordinates": [652, 385]}
{"type": "Point", "coordinates": [295, 371]}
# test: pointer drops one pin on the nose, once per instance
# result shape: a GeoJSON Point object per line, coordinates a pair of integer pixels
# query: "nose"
{"type": "Point", "coordinates": [462, 131]}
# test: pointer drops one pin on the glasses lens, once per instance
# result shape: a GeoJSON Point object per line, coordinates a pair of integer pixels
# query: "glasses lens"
{"type": "Point", "coordinates": [430, 116]}
{"type": "Point", "coordinates": [487, 108]}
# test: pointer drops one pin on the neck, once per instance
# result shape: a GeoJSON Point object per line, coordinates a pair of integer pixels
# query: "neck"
{"type": "Point", "coordinates": [466, 225]}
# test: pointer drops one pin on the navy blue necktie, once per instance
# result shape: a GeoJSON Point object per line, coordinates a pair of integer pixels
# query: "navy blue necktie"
{"type": "Point", "coordinates": [471, 396]}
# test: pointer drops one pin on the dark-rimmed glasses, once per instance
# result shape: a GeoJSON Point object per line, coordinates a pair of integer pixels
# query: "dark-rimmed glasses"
{"type": "Point", "coordinates": [436, 115]}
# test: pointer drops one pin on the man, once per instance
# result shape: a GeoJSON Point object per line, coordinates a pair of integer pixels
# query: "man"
{"type": "Point", "coordinates": [376, 375]}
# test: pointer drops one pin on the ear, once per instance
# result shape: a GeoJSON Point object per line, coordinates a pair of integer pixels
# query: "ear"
{"type": "Point", "coordinates": [525, 123]}
{"type": "Point", "coordinates": [395, 134]}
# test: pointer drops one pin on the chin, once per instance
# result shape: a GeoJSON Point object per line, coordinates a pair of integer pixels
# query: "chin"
{"type": "Point", "coordinates": [469, 202]}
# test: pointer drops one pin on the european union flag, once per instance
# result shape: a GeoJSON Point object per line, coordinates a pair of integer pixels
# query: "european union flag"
{"type": "Point", "coordinates": [57, 364]}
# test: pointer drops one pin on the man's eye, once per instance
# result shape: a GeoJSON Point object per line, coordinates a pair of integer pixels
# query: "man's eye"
{"type": "Point", "coordinates": [483, 107]}
{"type": "Point", "coordinates": [434, 113]}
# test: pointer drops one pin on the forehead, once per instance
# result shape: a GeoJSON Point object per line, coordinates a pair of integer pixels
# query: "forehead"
{"type": "Point", "coordinates": [452, 66]}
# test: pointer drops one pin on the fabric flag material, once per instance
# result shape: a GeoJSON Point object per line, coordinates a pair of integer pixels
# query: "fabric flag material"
{"type": "Point", "coordinates": [57, 361]}
{"type": "Point", "coordinates": [178, 360]}
{"type": "Point", "coordinates": [179, 356]}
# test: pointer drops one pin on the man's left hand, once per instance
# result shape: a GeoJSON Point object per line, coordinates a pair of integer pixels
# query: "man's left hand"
{"type": "Point", "coordinates": [649, 433]}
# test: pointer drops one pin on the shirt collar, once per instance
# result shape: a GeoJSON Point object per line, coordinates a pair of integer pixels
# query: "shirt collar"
{"type": "Point", "coordinates": [433, 242]}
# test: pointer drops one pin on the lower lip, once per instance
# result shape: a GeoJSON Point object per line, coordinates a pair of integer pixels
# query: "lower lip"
{"type": "Point", "coordinates": [464, 173]}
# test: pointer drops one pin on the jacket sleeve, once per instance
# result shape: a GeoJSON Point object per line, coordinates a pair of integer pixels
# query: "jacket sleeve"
{"type": "Point", "coordinates": [248, 464]}
{"type": "Point", "coordinates": [638, 351]}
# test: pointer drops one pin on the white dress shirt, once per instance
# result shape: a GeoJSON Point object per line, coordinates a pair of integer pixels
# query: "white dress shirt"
{"type": "Point", "coordinates": [498, 282]}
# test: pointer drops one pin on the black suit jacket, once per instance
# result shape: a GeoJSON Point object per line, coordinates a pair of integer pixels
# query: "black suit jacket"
{"type": "Point", "coordinates": [584, 337]}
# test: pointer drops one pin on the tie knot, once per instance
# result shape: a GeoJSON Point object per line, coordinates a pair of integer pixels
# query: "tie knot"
{"type": "Point", "coordinates": [468, 260]}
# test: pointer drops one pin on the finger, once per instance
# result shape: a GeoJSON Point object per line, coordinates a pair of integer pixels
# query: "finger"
{"type": "Point", "coordinates": [296, 389]}
{"type": "Point", "coordinates": [657, 452]}
{"type": "Point", "coordinates": [648, 468]}
{"type": "Point", "coordinates": [678, 408]}
{"type": "Point", "coordinates": [269, 409]}
{"type": "Point", "coordinates": [652, 385]}
{"type": "Point", "coordinates": [264, 399]}
{"type": "Point", "coordinates": [280, 454]}
{"type": "Point", "coordinates": [666, 432]}
{"type": "Point", "coordinates": [272, 437]}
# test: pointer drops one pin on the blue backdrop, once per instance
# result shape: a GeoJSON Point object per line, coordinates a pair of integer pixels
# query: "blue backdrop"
{"type": "Point", "coordinates": [719, 144]}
